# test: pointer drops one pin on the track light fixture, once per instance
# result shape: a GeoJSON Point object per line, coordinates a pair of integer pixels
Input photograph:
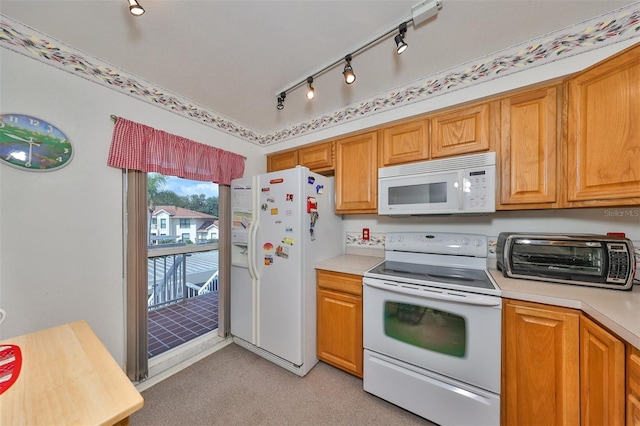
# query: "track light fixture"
{"type": "Point", "coordinates": [135, 8]}
{"type": "Point", "coordinates": [401, 46]}
{"type": "Point", "coordinates": [421, 12]}
{"type": "Point", "coordinates": [281, 100]}
{"type": "Point", "coordinates": [311, 91]}
{"type": "Point", "coordinates": [349, 75]}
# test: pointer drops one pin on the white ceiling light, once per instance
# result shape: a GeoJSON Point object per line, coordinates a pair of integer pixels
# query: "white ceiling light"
{"type": "Point", "coordinates": [135, 8]}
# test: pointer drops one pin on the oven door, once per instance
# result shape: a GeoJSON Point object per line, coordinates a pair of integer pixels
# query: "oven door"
{"type": "Point", "coordinates": [452, 333]}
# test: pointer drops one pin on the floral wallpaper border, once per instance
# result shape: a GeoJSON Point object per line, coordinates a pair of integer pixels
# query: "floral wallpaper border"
{"type": "Point", "coordinates": [614, 27]}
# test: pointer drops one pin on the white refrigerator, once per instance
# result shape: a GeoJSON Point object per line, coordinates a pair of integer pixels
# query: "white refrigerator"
{"type": "Point", "coordinates": [282, 224]}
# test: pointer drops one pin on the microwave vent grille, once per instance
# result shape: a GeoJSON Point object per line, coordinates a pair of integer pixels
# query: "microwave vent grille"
{"type": "Point", "coordinates": [442, 165]}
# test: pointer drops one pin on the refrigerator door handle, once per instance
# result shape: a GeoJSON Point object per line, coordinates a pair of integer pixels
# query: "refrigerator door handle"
{"type": "Point", "coordinates": [253, 231]}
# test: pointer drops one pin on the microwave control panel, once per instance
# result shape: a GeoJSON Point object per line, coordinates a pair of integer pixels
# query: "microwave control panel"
{"type": "Point", "coordinates": [479, 189]}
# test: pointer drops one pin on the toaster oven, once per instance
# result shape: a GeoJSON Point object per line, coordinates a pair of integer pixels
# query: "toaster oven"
{"type": "Point", "coordinates": [590, 260]}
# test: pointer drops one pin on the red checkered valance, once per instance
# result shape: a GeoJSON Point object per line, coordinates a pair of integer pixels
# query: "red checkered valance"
{"type": "Point", "coordinates": [139, 147]}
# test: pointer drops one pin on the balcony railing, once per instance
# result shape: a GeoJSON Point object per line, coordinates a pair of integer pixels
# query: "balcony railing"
{"type": "Point", "coordinates": [178, 272]}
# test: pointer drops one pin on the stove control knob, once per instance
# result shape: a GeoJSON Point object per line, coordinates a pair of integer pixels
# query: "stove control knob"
{"type": "Point", "coordinates": [465, 241]}
{"type": "Point", "coordinates": [477, 242]}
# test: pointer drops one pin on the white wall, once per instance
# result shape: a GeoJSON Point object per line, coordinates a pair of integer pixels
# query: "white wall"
{"type": "Point", "coordinates": [61, 244]}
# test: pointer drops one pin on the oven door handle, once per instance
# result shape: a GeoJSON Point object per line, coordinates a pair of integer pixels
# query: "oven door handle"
{"type": "Point", "coordinates": [436, 294]}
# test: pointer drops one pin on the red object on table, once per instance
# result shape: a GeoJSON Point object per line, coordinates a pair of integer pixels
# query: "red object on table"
{"type": "Point", "coordinates": [10, 363]}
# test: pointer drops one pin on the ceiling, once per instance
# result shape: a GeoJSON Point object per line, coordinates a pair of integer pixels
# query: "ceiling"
{"type": "Point", "coordinates": [234, 57]}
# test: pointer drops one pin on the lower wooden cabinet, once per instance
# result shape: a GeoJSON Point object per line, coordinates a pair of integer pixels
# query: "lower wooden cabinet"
{"type": "Point", "coordinates": [601, 375]}
{"type": "Point", "coordinates": [561, 368]}
{"type": "Point", "coordinates": [339, 320]}
{"type": "Point", "coordinates": [633, 387]}
{"type": "Point", "coordinates": [540, 362]}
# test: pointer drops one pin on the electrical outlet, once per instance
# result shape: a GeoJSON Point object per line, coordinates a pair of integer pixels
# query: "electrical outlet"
{"type": "Point", "coordinates": [365, 234]}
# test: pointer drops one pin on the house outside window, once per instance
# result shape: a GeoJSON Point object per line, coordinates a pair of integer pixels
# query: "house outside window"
{"type": "Point", "coordinates": [163, 223]}
{"type": "Point", "coordinates": [184, 223]}
{"type": "Point", "coordinates": [185, 237]}
{"type": "Point", "coordinates": [154, 221]}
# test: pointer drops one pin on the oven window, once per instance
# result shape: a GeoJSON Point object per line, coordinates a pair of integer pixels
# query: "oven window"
{"type": "Point", "coordinates": [427, 328]}
{"type": "Point", "coordinates": [428, 193]}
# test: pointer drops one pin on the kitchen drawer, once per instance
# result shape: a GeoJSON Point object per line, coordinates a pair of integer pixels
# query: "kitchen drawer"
{"type": "Point", "coordinates": [338, 281]}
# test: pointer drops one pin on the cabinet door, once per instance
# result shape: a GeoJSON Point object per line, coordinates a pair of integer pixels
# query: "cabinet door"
{"type": "Point", "coordinates": [404, 143]}
{"type": "Point", "coordinates": [357, 174]}
{"type": "Point", "coordinates": [633, 392]}
{"type": "Point", "coordinates": [461, 131]}
{"type": "Point", "coordinates": [317, 157]}
{"type": "Point", "coordinates": [540, 361]}
{"type": "Point", "coordinates": [339, 322]}
{"type": "Point", "coordinates": [528, 145]}
{"type": "Point", "coordinates": [282, 161]}
{"type": "Point", "coordinates": [603, 130]}
{"type": "Point", "coordinates": [602, 377]}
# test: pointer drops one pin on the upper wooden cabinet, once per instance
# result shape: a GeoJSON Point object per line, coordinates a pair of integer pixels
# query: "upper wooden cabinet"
{"type": "Point", "coordinates": [317, 157]}
{"type": "Point", "coordinates": [282, 160]}
{"type": "Point", "coordinates": [404, 143]}
{"type": "Point", "coordinates": [357, 174]}
{"type": "Point", "coordinates": [528, 146]}
{"type": "Point", "coordinates": [461, 131]}
{"type": "Point", "coordinates": [603, 132]}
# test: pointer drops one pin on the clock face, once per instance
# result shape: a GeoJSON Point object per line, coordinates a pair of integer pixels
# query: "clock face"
{"type": "Point", "coordinates": [30, 143]}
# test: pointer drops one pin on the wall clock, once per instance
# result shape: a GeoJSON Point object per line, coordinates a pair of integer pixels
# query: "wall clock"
{"type": "Point", "coordinates": [30, 143]}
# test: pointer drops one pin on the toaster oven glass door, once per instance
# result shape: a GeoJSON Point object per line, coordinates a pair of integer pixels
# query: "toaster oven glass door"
{"type": "Point", "coordinates": [559, 259]}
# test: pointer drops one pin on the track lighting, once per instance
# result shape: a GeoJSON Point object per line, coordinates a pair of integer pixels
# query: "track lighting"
{"type": "Point", "coordinates": [311, 92]}
{"type": "Point", "coordinates": [135, 8]}
{"type": "Point", "coordinates": [399, 39]}
{"type": "Point", "coordinates": [281, 100]}
{"type": "Point", "coordinates": [349, 75]}
{"type": "Point", "coordinates": [421, 12]}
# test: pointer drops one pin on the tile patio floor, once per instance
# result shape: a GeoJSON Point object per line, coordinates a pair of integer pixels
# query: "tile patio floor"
{"type": "Point", "coordinates": [179, 323]}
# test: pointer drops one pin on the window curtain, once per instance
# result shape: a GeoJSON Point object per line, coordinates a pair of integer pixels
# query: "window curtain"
{"type": "Point", "coordinates": [135, 146]}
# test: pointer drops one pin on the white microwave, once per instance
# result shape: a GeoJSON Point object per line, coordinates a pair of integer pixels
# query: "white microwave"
{"type": "Point", "coordinates": [456, 185]}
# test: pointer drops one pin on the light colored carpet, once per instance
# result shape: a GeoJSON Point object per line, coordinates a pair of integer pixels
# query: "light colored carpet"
{"type": "Point", "coordinates": [236, 387]}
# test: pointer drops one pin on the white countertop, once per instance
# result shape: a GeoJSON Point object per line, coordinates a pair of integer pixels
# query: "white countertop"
{"type": "Point", "coordinates": [617, 310]}
{"type": "Point", "coordinates": [349, 264]}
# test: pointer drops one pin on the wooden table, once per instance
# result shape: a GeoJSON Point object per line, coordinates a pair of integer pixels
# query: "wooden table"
{"type": "Point", "coordinates": [67, 378]}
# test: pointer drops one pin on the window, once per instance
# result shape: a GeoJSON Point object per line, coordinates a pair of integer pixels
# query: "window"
{"type": "Point", "coordinates": [184, 223]}
{"type": "Point", "coordinates": [154, 221]}
{"type": "Point", "coordinates": [428, 328]}
{"type": "Point", "coordinates": [163, 223]}
{"type": "Point", "coordinates": [185, 237]}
